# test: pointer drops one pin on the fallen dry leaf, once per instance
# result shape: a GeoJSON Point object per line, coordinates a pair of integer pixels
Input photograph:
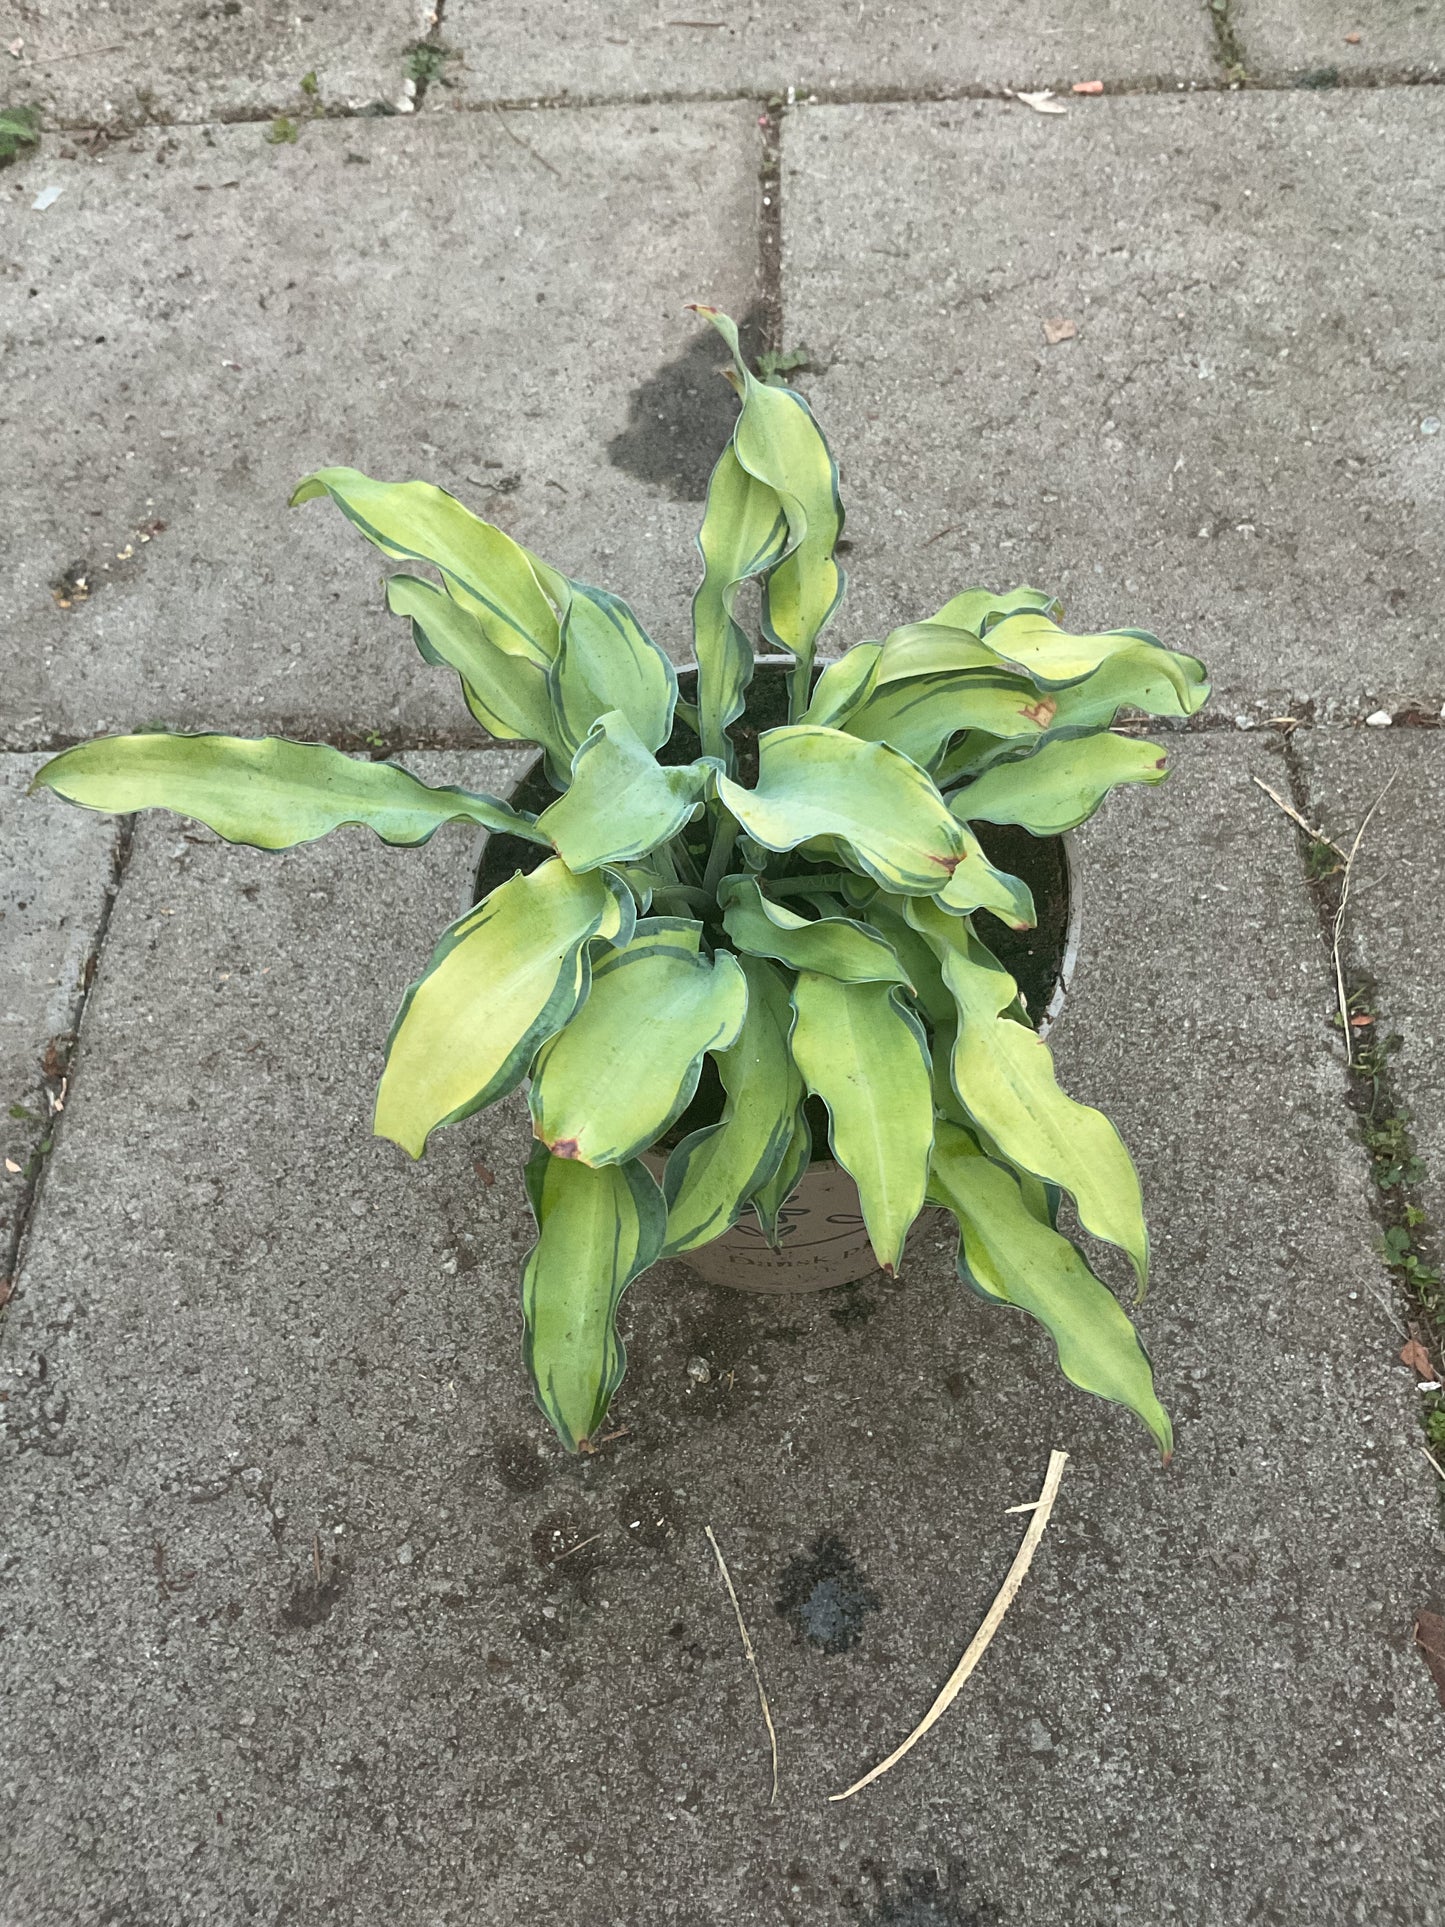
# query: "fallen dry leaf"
{"type": "Point", "coordinates": [12, 1167]}
{"type": "Point", "coordinates": [1043, 102]}
{"type": "Point", "coordinates": [1060, 328]}
{"type": "Point", "coordinates": [1087, 87]}
{"type": "Point", "coordinates": [1417, 1358]}
{"type": "Point", "coordinates": [1430, 1638]}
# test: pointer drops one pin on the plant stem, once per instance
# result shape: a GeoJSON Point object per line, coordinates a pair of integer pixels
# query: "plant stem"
{"type": "Point", "coordinates": [807, 886]}
{"type": "Point", "coordinates": [688, 895]}
{"type": "Point", "coordinates": [724, 837]}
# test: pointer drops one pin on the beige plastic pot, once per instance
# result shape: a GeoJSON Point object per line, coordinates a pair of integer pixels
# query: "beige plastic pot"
{"type": "Point", "coordinates": [822, 1240]}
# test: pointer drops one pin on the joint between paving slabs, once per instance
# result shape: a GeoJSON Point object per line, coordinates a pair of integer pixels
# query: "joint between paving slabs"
{"type": "Point", "coordinates": [770, 237]}
{"type": "Point", "coordinates": [1411, 1247]}
{"type": "Point", "coordinates": [58, 1068]}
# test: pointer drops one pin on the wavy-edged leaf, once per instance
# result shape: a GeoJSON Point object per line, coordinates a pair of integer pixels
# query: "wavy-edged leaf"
{"type": "Point", "coordinates": [1060, 784]}
{"type": "Point", "coordinates": [834, 946]}
{"type": "Point", "coordinates": [777, 440]}
{"type": "Point", "coordinates": [921, 715]}
{"type": "Point", "coordinates": [506, 693]}
{"type": "Point", "coordinates": [925, 974]}
{"type": "Point", "coordinates": [605, 660]}
{"type": "Point", "coordinates": [870, 801]}
{"type": "Point", "coordinates": [1007, 1254]}
{"type": "Point", "coordinates": [978, 884]}
{"type": "Point", "coordinates": [627, 1065]}
{"type": "Point", "coordinates": [744, 533]}
{"type": "Point", "coordinates": [483, 567]}
{"type": "Point", "coordinates": [768, 1200]}
{"type": "Point", "coordinates": [979, 609]}
{"type": "Point", "coordinates": [621, 802]}
{"type": "Point", "coordinates": [712, 1173]}
{"type": "Point", "coordinates": [1029, 642]}
{"type": "Point", "coordinates": [1003, 1074]}
{"type": "Point", "coordinates": [597, 1230]}
{"type": "Point", "coordinates": [267, 791]}
{"type": "Point", "coordinates": [864, 1054]}
{"type": "Point", "coordinates": [843, 686]}
{"type": "Point", "coordinates": [681, 936]}
{"type": "Point", "coordinates": [503, 979]}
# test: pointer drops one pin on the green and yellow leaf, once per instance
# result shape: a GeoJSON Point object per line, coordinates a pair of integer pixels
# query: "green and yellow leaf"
{"type": "Point", "coordinates": [507, 693]}
{"type": "Point", "coordinates": [627, 1065]}
{"type": "Point", "coordinates": [843, 686]}
{"type": "Point", "coordinates": [864, 1054]}
{"type": "Point", "coordinates": [1008, 1254]}
{"type": "Point", "coordinates": [712, 1173]}
{"type": "Point", "coordinates": [621, 802]}
{"type": "Point", "coordinates": [605, 660]}
{"type": "Point", "coordinates": [1060, 784]}
{"type": "Point", "coordinates": [770, 1198]}
{"type": "Point", "coordinates": [267, 791]}
{"type": "Point", "coordinates": [506, 977]}
{"type": "Point", "coordinates": [834, 946]}
{"type": "Point", "coordinates": [744, 533]}
{"type": "Point", "coordinates": [922, 715]}
{"type": "Point", "coordinates": [596, 1231]}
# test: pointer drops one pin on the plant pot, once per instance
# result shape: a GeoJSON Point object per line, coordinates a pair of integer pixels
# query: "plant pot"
{"type": "Point", "coordinates": [823, 1242]}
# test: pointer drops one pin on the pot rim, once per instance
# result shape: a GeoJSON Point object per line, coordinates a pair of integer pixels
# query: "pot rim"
{"type": "Point", "coordinates": [776, 659]}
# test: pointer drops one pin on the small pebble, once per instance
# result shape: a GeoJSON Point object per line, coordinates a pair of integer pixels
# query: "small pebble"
{"type": "Point", "coordinates": [699, 1371]}
{"type": "Point", "coordinates": [1379, 719]}
{"type": "Point", "coordinates": [404, 1555]}
{"type": "Point", "coordinates": [1430, 425]}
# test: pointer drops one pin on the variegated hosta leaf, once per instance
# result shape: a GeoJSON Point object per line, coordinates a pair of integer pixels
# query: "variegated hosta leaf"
{"type": "Point", "coordinates": [835, 946]}
{"type": "Point", "coordinates": [744, 532]}
{"type": "Point", "coordinates": [506, 693]}
{"type": "Point", "coordinates": [627, 1065]}
{"type": "Point", "coordinates": [596, 1231]}
{"type": "Point", "coordinates": [843, 686]}
{"type": "Point", "coordinates": [1060, 784]}
{"type": "Point", "coordinates": [1036, 647]}
{"type": "Point", "coordinates": [1006, 1253]}
{"type": "Point", "coordinates": [483, 568]}
{"type": "Point", "coordinates": [865, 1055]}
{"type": "Point", "coordinates": [605, 660]}
{"type": "Point", "coordinates": [1003, 1074]}
{"type": "Point", "coordinates": [979, 609]}
{"type": "Point", "coordinates": [777, 440]}
{"type": "Point", "coordinates": [712, 1173]}
{"type": "Point", "coordinates": [921, 715]}
{"type": "Point", "coordinates": [925, 975]}
{"type": "Point", "coordinates": [873, 804]}
{"type": "Point", "coordinates": [978, 885]}
{"type": "Point", "coordinates": [267, 791]}
{"type": "Point", "coordinates": [951, 639]}
{"type": "Point", "coordinates": [503, 979]}
{"type": "Point", "coordinates": [621, 802]}
{"type": "Point", "coordinates": [768, 1200]}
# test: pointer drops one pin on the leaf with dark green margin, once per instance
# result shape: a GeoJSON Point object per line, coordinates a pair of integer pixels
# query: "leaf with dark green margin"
{"type": "Point", "coordinates": [267, 791]}
{"type": "Point", "coordinates": [483, 568]}
{"type": "Point", "coordinates": [874, 804]}
{"type": "Point", "coordinates": [1003, 1074]}
{"type": "Point", "coordinates": [627, 1065]}
{"type": "Point", "coordinates": [777, 440]}
{"type": "Point", "coordinates": [621, 802]}
{"type": "Point", "coordinates": [1029, 643]}
{"type": "Point", "coordinates": [864, 1054]}
{"type": "Point", "coordinates": [1061, 784]}
{"type": "Point", "coordinates": [921, 715]}
{"type": "Point", "coordinates": [950, 640]}
{"type": "Point", "coordinates": [506, 693]}
{"type": "Point", "coordinates": [770, 1198]}
{"type": "Point", "coordinates": [843, 686]}
{"type": "Point", "coordinates": [712, 1173]}
{"type": "Point", "coordinates": [744, 533]}
{"type": "Point", "coordinates": [1008, 1255]}
{"type": "Point", "coordinates": [506, 977]}
{"type": "Point", "coordinates": [835, 946]}
{"type": "Point", "coordinates": [597, 1230]}
{"type": "Point", "coordinates": [605, 660]}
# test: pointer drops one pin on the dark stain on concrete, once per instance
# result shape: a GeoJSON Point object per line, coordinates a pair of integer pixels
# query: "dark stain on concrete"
{"type": "Point", "coordinates": [520, 1466]}
{"type": "Point", "coordinates": [312, 1601]}
{"type": "Point", "coordinates": [825, 1595]}
{"type": "Point", "coordinates": [680, 417]}
{"type": "Point", "coordinates": [925, 1899]}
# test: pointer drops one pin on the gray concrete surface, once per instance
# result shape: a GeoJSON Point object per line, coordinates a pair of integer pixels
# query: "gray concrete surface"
{"type": "Point", "coordinates": [1309, 40]}
{"type": "Point", "coordinates": [1396, 930]}
{"type": "Point", "coordinates": [293, 1625]}
{"type": "Point", "coordinates": [606, 47]}
{"type": "Point", "coordinates": [201, 319]}
{"type": "Point", "coordinates": [55, 866]}
{"type": "Point", "coordinates": [1235, 449]}
{"type": "Point", "coordinates": [94, 63]}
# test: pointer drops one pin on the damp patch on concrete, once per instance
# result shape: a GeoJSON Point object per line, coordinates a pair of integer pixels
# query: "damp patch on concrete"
{"type": "Point", "coordinates": [825, 1595]}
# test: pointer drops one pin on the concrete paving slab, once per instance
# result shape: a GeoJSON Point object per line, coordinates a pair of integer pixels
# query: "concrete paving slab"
{"type": "Point", "coordinates": [1320, 42]}
{"type": "Point", "coordinates": [55, 866]}
{"type": "Point", "coordinates": [1397, 921]}
{"type": "Point", "coordinates": [611, 47]}
{"type": "Point", "coordinates": [95, 63]}
{"type": "Point", "coordinates": [199, 321]}
{"type": "Point", "coordinates": [1236, 449]}
{"type": "Point", "coordinates": [304, 1618]}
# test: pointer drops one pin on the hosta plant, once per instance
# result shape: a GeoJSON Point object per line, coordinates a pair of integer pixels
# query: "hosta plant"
{"type": "Point", "coordinates": [797, 904]}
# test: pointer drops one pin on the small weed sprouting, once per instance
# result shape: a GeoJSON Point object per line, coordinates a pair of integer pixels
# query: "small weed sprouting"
{"type": "Point", "coordinates": [282, 131]}
{"type": "Point", "coordinates": [1321, 861]}
{"type": "Point", "coordinates": [311, 86]}
{"type": "Point", "coordinates": [774, 363]}
{"type": "Point", "coordinates": [19, 127]}
{"type": "Point", "coordinates": [426, 63]}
